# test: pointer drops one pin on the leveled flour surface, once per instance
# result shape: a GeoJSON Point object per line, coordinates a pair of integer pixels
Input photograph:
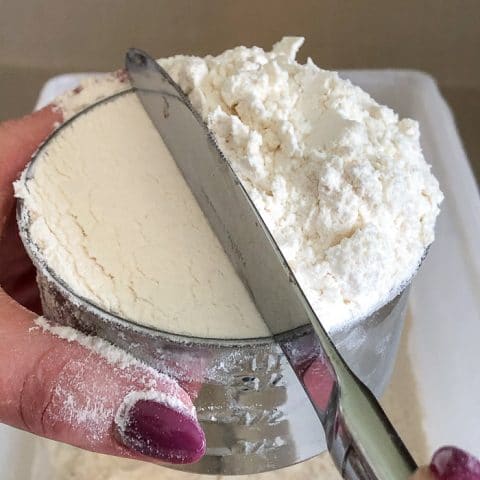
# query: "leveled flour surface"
{"type": "Point", "coordinates": [114, 218]}
{"type": "Point", "coordinates": [339, 179]}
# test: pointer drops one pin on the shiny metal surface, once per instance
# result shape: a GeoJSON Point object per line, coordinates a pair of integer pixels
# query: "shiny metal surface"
{"type": "Point", "coordinates": [255, 416]}
{"type": "Point", "coordinates": [357, 430]}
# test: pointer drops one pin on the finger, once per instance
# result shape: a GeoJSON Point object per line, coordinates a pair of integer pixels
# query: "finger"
{"type": "Point", "coordinates": [17, 273]}
{"type": "Point", "coordinates": [18, 141]}
{"type": "Point", "coordinates": [64, 391]}
{"type": "Point", "coordinates": [451, 463]}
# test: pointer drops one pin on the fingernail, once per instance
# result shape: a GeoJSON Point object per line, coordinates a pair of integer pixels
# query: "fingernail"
{"type": "Point", "coordinates": [157, 430]}
{"type": "Point", "coordinates": [451, 463]}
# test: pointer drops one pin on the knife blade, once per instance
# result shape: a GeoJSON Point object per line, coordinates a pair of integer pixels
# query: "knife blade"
{"type": "Point", "coordinates": [360, 438]}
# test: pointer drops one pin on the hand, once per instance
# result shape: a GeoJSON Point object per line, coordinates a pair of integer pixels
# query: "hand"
{"type": "Point", "coordinates": [60, 389]}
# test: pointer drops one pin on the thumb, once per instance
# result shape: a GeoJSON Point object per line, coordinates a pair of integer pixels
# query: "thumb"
{"type": "Point", "coordinates": [59, 389]}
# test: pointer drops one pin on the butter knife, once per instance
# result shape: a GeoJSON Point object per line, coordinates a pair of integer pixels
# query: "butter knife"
{"type": "Point", "coordinates": [360, 438]}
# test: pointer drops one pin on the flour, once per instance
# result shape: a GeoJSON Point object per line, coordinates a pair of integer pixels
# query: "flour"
{"type": "Point", "coordinates": [339, 179]}
{"type": "Point", "coordinates": [91, 89]}
{"type": "Point", "coordinates": [114, 355]}
{"type": "Point", "coordinates": [115, 220]}
{"type": "Point", "coordinates": [132, 398]}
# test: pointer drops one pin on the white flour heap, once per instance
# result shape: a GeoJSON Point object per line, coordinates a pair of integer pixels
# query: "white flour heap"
{"type": "Point", "coordinates": [340, 181]}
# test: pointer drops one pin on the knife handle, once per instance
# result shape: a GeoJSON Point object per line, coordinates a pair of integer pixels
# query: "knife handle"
{"type": "Point", "coordinates": [362, 442]}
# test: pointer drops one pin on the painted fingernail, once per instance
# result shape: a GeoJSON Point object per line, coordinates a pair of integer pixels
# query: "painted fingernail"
{"type": "Point", "coordinates": [451, 463]}
{"type": "Point", "coordinates": [157, 430]}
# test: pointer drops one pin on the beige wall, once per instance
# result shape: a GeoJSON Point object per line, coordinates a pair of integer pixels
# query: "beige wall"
{"type": "Point", "coordinates": [39, 38]}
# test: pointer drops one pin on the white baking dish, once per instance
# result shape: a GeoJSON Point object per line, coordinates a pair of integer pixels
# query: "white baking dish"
{"type": "Point", "coordinates": [444, 301]}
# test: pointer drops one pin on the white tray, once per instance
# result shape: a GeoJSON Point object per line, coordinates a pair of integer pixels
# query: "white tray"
{"type": "Point", "coordinates": [444, 342]}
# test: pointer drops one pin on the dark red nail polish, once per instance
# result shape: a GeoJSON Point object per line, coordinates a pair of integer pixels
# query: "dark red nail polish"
{"type": "Point", "coordinates": [451, 463]}
{"type": "Point", "coordinates": [156, 430]}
